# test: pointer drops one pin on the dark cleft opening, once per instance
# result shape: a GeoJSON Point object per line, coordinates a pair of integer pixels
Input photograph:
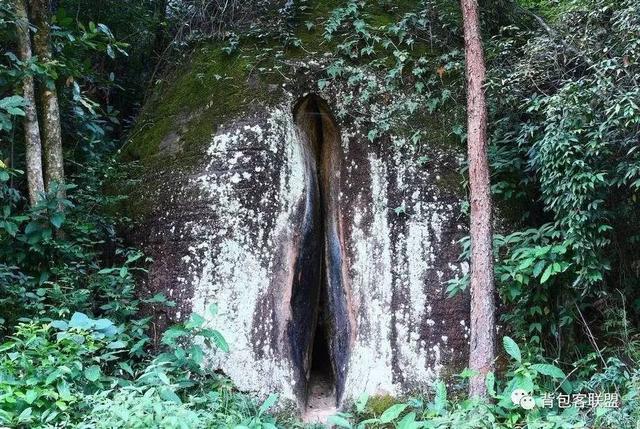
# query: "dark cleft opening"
{"type": "Point", "coordinates": [320, 358]}
{"type": "Point", "coordinates": [319, 328]}
{"type": "Point", "coordinates": [321, 389]}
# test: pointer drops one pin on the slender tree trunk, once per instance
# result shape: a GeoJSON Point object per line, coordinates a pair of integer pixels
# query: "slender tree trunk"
{"type": "Point", "coordinates": [52, 135]}
{"type": "Point", "coordinates": [482, 351]}
{"type": "Point", "coordinates": [159, 16]}
{"type": "Point", "coordinates": [33, 149]}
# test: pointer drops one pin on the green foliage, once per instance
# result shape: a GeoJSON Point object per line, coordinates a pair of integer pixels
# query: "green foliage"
{"type": "Point", "coordinates": [95, 372]}
{"type": "Point", "coordinates": [87, 119]}
{"type": "Point", "coordinates": [10, 106]}
{"type": "Point", "coordinates": [47, 369]}
{"type": "Point", "coordinates": [48, 253]}
{"type": "Point", "coordinates": [142, 407]}
{"type": "Point", "coordinates": [380, 60]}
{"type": "Point", "coordinates": [78, 371]}
{"type": "Point", "coordinates": [74, 345]}
{"type": "Point", "coordinates": [147, 407]}
{"type": "Point", "coordinates": [174, 391]}
{"type": "Point", "coordinates": [438, 411]}
{"type": "Point", "coordinates": [578, 138]}
{"type": "Point", "coordinates": [564, 139]}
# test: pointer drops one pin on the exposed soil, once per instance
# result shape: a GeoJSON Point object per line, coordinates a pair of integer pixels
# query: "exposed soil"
{"type": "Point", "coordinates": [321, 400]}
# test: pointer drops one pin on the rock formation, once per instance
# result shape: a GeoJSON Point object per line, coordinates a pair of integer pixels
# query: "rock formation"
{"type": "Point", "coordinates": [326, 251]}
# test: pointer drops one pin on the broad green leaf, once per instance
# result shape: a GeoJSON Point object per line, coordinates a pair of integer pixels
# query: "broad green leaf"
{"type": "Point", "coordinates": [523, 382]}
{"type": "Point", "coordinates": [52, 377]}
{"type": "Point", "coordinates": [548, 369]}
{"type": "Point", "coordinates": [32, 227]}
{"type": "Point", "coordinates": [408, 421]}
{"type": "Point", "coordinates": [13, 105]}
{"type": "Point", "coordinates": [526, 263]}
{"type": "Point", "coordinates": [168, 394]}
{"type": "Point", "coordinates": [268, 403]}
{"type": "Point", "coordinates": [170, 335]}
{"type": "Point", "coordinates": [361, 403]}
{"type": "Point", "coordinates": [92, 373]}
{"type": "Point", "coordinates": [64, 392]}
{"type": "Point", "coordinates": [490, 382]}
{"type": "Point", "coordinates": [392, 413]}
{"type": "Point", "coordinates": [10, 227]}
{"type": "Point", "coordinates": [195, 321]}
{"type": "Point", "coordinates": [102, 324]}
{"type": "Point", "coordinates": [339, 421]}
{"type": "Point", "coordinates": [467, 373]}
{"type": "Point", "coordinates": [440, 400]}
{"type": "Point", "coordinates": [537, 269]}
{"type": "Point", "coordinates": [512, 348]}
{"type": "Point", "coordinates": [126, 368]}
{"type": "Point", "coordinates": [163, 377]}
{"type": "Point", "coordinates": [30, 396]}
{"type": "Point", "coordinates": [80, 320]}
{"type": "Point", "coordinates": [57, 219]}
{"type": "Point", "coordinates": [547, 273]}
{"type": "Point", "coordinates": [25, 415]}
{"type": "Point", "coordinates": [219, 341]}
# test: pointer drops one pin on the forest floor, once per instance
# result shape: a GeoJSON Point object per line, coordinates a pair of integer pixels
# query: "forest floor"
{"type": "Point", "coordinates": [321, 403]}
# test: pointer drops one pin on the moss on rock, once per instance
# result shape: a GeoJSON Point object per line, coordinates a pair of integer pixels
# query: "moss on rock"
{"type": "Point", "coordinates": [212, 87]}
{"type": "Point", "coordinates": [209, 89]}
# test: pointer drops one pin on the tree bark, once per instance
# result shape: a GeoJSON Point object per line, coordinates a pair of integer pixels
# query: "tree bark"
{"type": "Point", "coordinates": [33, 145]}
{"type": "Point", "coordinates": [482, 315]}
{"type": "Point", "coordinates": [51, 129]}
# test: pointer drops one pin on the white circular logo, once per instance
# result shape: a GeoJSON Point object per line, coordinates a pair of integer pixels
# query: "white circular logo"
{"type": "Point", "coordinates": [522, 398]}
{"type": "Point", "coordinates": [527, 403]}
{"type": "Point", "coordinates": [517, 395]}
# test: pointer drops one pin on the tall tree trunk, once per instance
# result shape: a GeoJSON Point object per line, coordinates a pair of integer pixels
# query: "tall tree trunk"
{"type": "Point", "coordinates": [482, 351]}
{"type": "Point", "coordinates": [52, 136]}
{"type": "Point", "coordinates": [33, 148]}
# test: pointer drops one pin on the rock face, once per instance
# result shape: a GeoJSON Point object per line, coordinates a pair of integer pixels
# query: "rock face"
{"type": "Point", "coordinates": [327, 254]}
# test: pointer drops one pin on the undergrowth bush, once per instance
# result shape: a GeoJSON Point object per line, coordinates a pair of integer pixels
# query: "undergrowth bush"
{"type": "Point", "coordinates": [73, 347]}
{"type": "Point", "coordinates": [45, 372]}
{"type": "Point", "coordinates": [538, 379]}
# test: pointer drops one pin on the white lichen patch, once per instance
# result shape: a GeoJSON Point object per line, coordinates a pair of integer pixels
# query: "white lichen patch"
{"type": "Point", "coordinates": [371, 286]}
{"type": "Point", "coordinates": [235, 262]}
{"type": "Point", "coordinates": [395, 278]}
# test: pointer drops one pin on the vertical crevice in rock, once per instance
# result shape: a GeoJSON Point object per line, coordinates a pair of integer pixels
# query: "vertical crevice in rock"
{"type": "Point", "coordinates": [320, 329]}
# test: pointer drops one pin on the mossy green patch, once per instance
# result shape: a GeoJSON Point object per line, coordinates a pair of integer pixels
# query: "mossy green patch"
{"type": "Point", "coordinates": [378, 404]}
{"type": "Point", "coordinates": [195, 100]}
{"type": "Point", "coordinates": [212, 86]}
{"type": "Point", "coordinates": [387, 12]}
